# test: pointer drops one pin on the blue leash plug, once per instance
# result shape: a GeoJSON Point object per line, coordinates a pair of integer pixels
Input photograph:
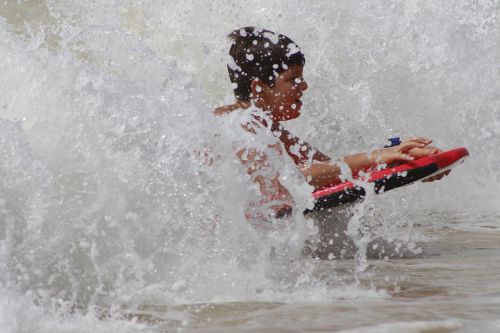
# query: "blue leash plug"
{"type": "Point", "coordinates": [395, 141]}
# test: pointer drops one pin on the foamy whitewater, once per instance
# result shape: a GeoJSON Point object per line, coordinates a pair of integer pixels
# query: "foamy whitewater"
{"type": "Point", "coordinates": [122, 202]}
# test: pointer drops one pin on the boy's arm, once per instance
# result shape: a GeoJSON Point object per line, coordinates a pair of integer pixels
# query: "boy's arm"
{"type": "Point", "coordinates": [258, 167]}
{"type": "Point", "coordinates": [324, 172]}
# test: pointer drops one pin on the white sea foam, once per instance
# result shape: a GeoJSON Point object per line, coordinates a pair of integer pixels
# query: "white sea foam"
{"type": "Point", "coordinates": [107, 199]}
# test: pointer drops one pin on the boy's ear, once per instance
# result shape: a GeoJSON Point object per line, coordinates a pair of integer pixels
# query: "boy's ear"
{"type": "Point", "coordinates": [256, 87]}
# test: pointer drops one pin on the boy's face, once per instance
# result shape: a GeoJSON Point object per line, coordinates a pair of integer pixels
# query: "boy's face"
{"type": "Point", "coordinates": [283, 98]}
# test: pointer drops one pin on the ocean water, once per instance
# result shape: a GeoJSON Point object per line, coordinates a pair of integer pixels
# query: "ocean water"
{"type": "Point", "coordinates": [122, 202]}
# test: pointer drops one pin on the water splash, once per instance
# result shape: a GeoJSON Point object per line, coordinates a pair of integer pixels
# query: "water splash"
{"type": "Point", "coordinates": [105, 197]}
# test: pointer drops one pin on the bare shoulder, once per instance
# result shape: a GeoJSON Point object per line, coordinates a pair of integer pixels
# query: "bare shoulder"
{"type": "Point", "coordinates": [222, 110]}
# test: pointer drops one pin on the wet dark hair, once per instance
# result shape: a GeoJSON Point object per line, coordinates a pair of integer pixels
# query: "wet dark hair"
{"type": "Point", "coordinates": [259, 54]}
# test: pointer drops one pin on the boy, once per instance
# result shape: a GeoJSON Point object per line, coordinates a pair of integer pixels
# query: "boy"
{"type": "Point", "coordinates": [267, 71]}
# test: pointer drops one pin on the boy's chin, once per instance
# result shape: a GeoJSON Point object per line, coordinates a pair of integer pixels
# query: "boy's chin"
{"type": "Point", "coordinates": [294, 114]}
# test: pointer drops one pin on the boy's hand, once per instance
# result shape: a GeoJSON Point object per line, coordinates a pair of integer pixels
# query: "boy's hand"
{"type": "Point", "coordinates": [426, 151]}
{"type": "Point", "coordinates": [410, 150]}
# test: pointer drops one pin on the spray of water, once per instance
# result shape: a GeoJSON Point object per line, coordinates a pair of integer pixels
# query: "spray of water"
{"type": "Point", "coordinates": [119, 186]}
